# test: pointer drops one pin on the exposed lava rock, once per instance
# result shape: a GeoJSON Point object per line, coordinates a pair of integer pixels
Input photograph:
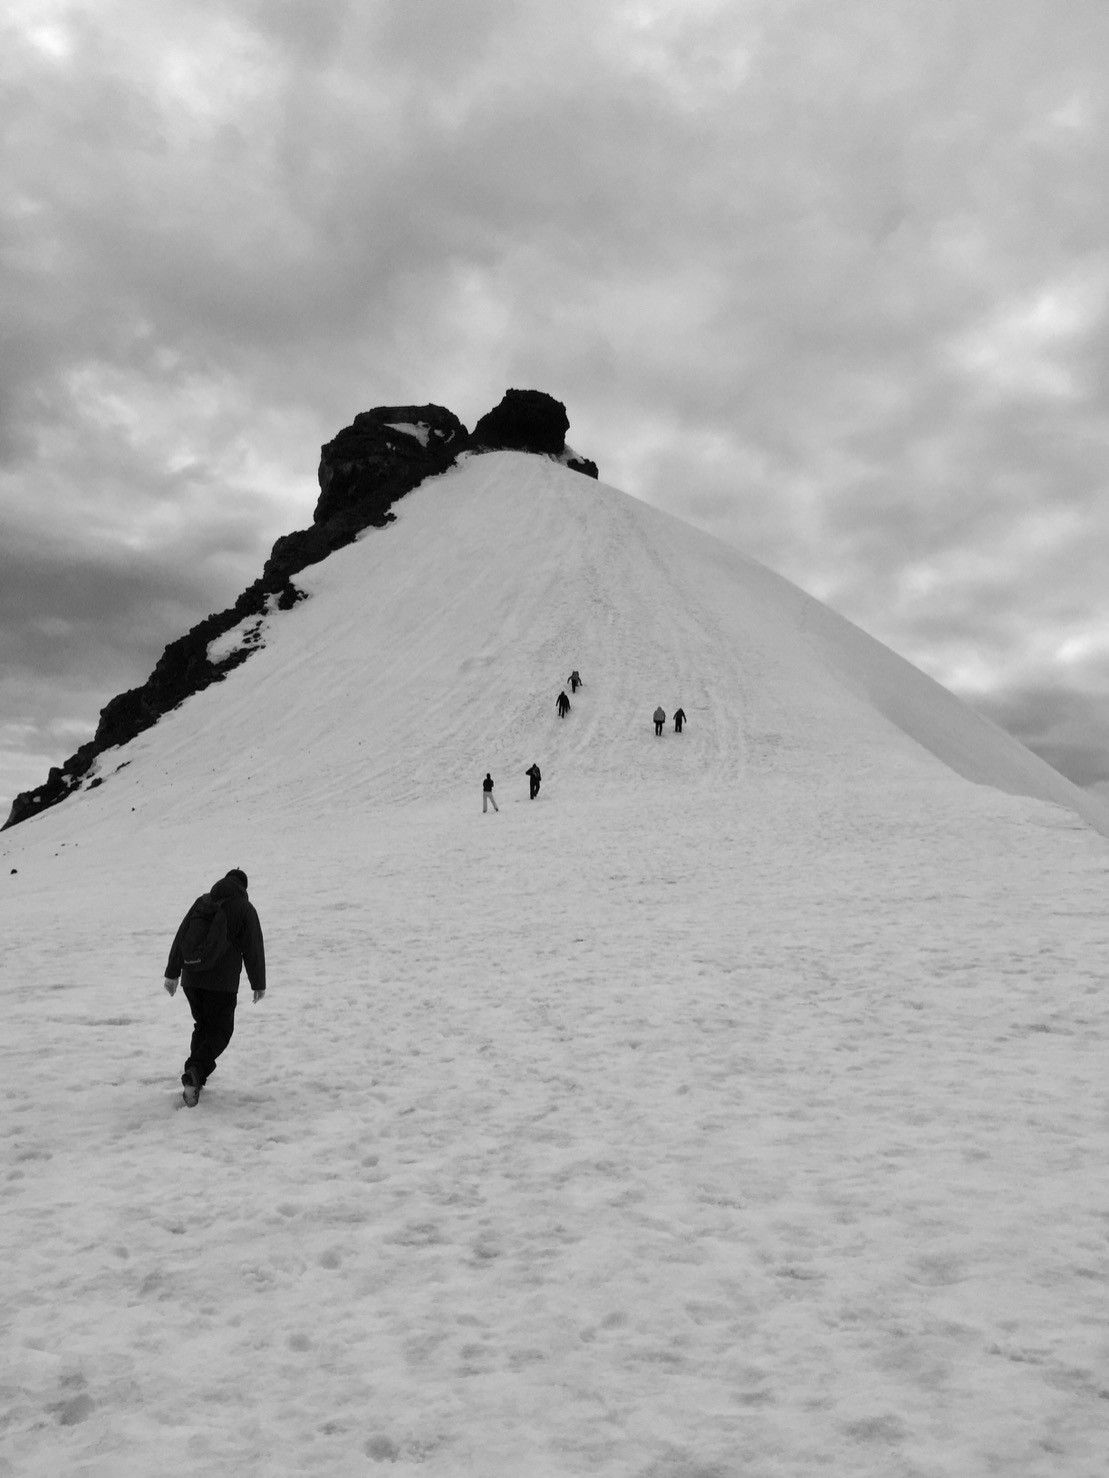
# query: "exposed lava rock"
{"type": "Point", "coordinates": [383, 454]}
{"type": "Point", "coordinates": [584, 465]}
{"type": "Point", "coordinates": [381, 451]}
{"type": "Point", "coordinates": [525, 421]}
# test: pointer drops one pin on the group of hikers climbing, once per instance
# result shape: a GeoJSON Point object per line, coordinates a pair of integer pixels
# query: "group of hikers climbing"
{"type": "Point", "coordinates": [562, 703]}
{"type": "Point", "coordinates": [221, 934]}
{"type": "Point", "coordinates": [532, 772]}
{"type": "Point", "coordinates": [659, 717]}
{"type": "Point", "coordinates": [562, 708]}
{"type": "Point", "coordinates": [488, 799]}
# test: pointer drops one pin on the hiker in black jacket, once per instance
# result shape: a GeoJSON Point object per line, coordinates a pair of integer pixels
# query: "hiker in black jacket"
{"type": "Point", "coordinates": [534, 778]}
{"type": "Point", "coordinates": [679, 720]}
{"type": "Point", "coordinates": [487, 797]}
{"type": "Point", "coordinates": [562, 703]}
{"type": "Point", "coordinates": [212, 992]}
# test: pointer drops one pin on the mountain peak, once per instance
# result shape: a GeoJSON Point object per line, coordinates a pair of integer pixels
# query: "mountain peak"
{"type": "Point", "coordinates": [529, 421]}
{"type": "Point", "coordinates": [420, 659]}
{"type": "Point", "coordinates": [364, 469]}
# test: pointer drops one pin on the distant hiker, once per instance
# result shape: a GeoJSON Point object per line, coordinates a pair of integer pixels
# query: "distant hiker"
{"type": "Point", "coordinates": [660, 719]}
{"type": "Point", "coordinates": [487, 797]}
{"type": "Point", "coordinates": [534, 777]}
{"type": "Point", "coordinates": [575, 680]}
{"type": "Point", "coordinates": [217, 937]}
{"type": "Point", "coordinates": [679, 720]}
{"type": "Point", "coordinates": [563, 705]}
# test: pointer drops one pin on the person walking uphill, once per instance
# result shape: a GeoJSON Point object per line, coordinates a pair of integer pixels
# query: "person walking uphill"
{"type": "Point", "coordinates": [679, 720]}
{"type": "Point", "coordinates": [562, 703]}
{"type": "Point", "coordinates": [534, 778]}
{"type": "Point", "coordinates": [660, 718]}
{"type": "Point", "coordinates": [218, 936]}
{"type": "Point", "coordinates": [575, 680]}
{"type": "Point", "coordinates": [487, 796]}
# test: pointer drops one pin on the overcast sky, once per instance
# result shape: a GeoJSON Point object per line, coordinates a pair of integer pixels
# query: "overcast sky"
{"type": "Point", "coordinates": [827, 278]}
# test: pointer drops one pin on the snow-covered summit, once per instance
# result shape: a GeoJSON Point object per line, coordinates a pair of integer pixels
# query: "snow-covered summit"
{"type": "Point", "coordinates": [435, 649]}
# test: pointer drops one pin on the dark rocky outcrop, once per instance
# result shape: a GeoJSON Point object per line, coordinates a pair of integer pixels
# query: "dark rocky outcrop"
{"type": "Point", "coordinates": [585, 465]}
{"type": "Point", "coordinates": [525, 421]}
{"type": "Point", "coordinates": [380, 456]}
{"type": "Point", "coordinates": [529, 421]}
{"type": "Point", "coordinates": [184, 668]}
{"type": "Point", "coordinates": [383, 454]}
{"type": "Point", "coordinates": [375, 457]}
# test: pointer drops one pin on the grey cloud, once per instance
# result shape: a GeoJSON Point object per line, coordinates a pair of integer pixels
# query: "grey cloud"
{"type": "Point", "coordinates": [66, 608]}
{"type": "Point", "coordinates": [78, 626]}
{"type": "Point", "coordinates": [1059, 724]}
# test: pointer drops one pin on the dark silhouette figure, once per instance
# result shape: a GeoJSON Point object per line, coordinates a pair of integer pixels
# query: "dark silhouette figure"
{"type": "Point", "coordinates": [660, 719]}
{"type": "Point", "coordinates": [212, 989]}
{"type": "Point", "coordinates": [563, 705]}
{"type": "Point", "coordinates": [575, 680]}
{"type": "Point", "coordinates": [679, 720]}
{"type": "Point", "coordinates": [487, 797]}
{"type": "Point", "coordinates": [534, 778]}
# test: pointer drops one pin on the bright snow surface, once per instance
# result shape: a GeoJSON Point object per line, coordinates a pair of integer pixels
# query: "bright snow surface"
{"type": "Point", "coordinates": [735, 1108]}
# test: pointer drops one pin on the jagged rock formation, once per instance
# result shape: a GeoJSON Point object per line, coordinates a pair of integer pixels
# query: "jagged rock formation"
{"type": "Point", "coordinates": [525, 421]}
{"type": "Point", "coordinates": [383, 454]}
{"type": "Point", "coordinates": [529, 421]}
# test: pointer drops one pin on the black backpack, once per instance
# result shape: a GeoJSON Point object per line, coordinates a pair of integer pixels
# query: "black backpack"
{"type": "Point", "coordinates": [204, 938]}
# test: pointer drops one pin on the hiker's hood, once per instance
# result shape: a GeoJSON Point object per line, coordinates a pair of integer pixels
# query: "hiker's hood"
{"type": "Point", "coordinates": [227, 888]}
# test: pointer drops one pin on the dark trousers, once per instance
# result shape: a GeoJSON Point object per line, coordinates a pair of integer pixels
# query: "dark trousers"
{"type": "Point", "coordinates": [534, 789]}
{"type": "Point", "coordinates": [658, 726]}
{"type": "Point", "coordinates": [213, 1025]}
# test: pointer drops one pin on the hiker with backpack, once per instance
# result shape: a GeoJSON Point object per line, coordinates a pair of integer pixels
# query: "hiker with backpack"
{"type": "Point", "coordinates": [218, 936]}
{"type": "Point", "coordinates": [575, 680]}
{"type": "Point", "coordinates": [660, 719]}
{"type": "Point", "coordinates": [679, 720]}
{"type": "Point", "coordinates": [534, 778]}
{"type": "Point", "coordinates": [562, 703]}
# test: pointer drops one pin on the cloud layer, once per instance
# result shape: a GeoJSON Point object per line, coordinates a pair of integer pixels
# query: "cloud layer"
{"type": "Point", "coordinates": [829, 281]}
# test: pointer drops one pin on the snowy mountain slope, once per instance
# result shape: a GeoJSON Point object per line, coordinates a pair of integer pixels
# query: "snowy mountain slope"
{"type": "Point", "coordinates": [736, 1108]}
{"type": "Point", "coordinates": [435, 649]}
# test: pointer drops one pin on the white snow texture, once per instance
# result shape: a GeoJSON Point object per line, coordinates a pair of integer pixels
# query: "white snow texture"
{"type": "Point", "coordinates": [736, 1109]}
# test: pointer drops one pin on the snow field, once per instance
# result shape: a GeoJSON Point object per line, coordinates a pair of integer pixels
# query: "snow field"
{"type": "Point", "coordinates": [734, 1110]}
{"type": "Point", "coordinates": [566, 1144]}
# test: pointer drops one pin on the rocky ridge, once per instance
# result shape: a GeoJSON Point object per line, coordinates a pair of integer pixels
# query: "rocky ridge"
{"type": "Point", "coordinates": [383, 454]}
